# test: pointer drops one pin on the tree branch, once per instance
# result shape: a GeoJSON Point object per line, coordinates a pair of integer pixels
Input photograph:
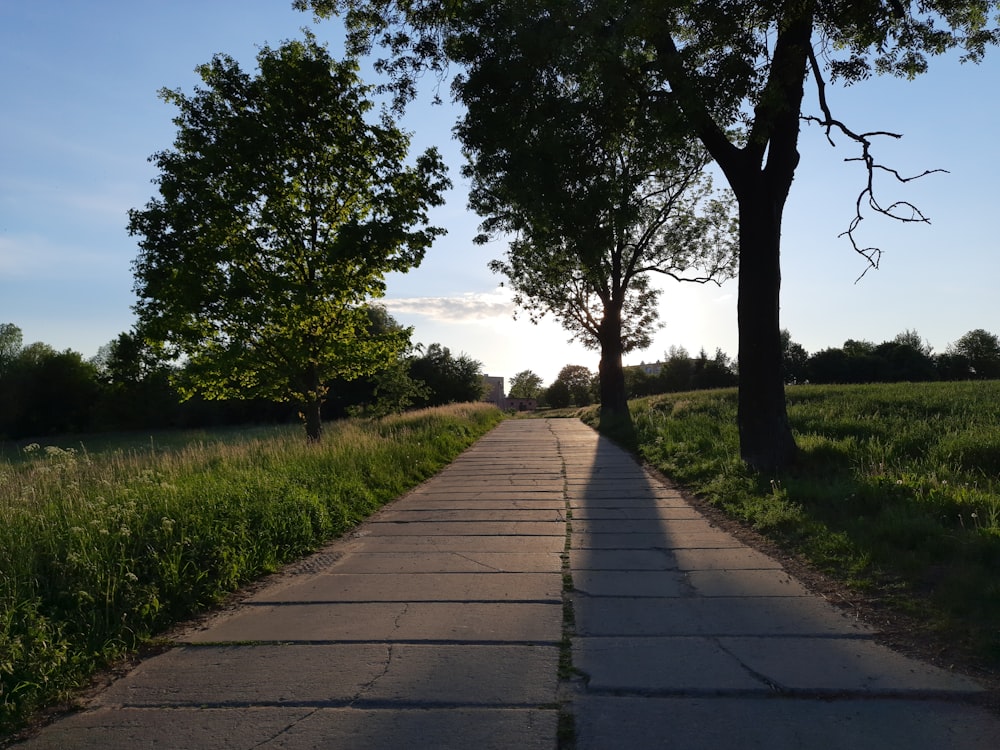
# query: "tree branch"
{"type": "Point", "coordinates": [902, 211]}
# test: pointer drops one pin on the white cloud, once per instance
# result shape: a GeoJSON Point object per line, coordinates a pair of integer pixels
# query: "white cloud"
{"type": "Point", "coordinates": [465, 308]}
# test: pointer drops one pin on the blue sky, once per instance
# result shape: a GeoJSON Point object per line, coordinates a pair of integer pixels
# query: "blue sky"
{"type": "Point", "coordinates": [80, 117]}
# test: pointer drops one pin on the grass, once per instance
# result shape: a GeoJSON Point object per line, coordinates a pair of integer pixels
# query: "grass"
{"type": "Point", "coordinates": [102, 549]}
{"type": "Point", "coordinates": [896, 491]}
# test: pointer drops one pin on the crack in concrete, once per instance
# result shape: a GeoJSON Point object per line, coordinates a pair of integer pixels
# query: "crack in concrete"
{"type": "Point", "coordinates": [285, 729]}
{"type": "Point", "coordinates": [776, 687]}
{"type": "Point", "coordinates": [398, 618]}
{"type": "Point", "coordinates": [478, 562]}
{"type": "Point", "coordinates": [368, 686]}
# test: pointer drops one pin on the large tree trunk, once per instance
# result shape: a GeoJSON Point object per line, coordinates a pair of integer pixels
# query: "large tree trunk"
{"type": "Point", "coordinates": [766, 442]}
{"type": "Point", "coordinates": [313, 419]}
{"type": "Point", "coordinates": [312, 414]}
{"type": "Point", "coordinates": [614, 401]}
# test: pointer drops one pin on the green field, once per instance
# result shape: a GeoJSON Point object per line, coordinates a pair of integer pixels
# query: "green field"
{"type": "Point", "coordinates": [106, 543]}
{"type": "Point", "coordinates": [896, 493]}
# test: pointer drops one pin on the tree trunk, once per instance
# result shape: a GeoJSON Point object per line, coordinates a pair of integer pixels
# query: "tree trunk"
{"type": "Point", "coordinates": [766, 442]}
{"type": "Point", "coordinates": [313, 419]}
{"type": "Point", "coordinates": [614, 401]}
{"type": "Point", "coordinates": [312, 408]}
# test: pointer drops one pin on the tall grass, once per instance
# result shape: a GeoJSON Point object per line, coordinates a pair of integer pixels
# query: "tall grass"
{"type": "Point", "coordinates": [896, 491]}
{"type": "Point", "coordinates": [100, 551]}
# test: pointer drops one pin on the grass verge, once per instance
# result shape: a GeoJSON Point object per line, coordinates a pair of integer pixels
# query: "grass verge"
{"type": "Point", "coordinates": [896, 493]}
{"type": "Point", "coordinates": [101, 551]}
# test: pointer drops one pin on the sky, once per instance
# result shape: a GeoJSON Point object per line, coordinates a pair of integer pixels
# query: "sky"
{"type": "Point", "coordinates": [79, 117]}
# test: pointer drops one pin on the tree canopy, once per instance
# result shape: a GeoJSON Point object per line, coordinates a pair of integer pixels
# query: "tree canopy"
{"type": "Point", "coordinates": [525, 384]}
{"type": "Point", "coordinates": [282, 205]}
{"type": "Point", "coordinates": [595, 194]}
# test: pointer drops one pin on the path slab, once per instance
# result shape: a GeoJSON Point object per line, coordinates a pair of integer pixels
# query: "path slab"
{"type": "Point", "coordinates": [470, 561]}
{"type": "Point", "coordinates": [630, 583]}
{"type": "Point", "coordinates": [842, 664]}
{"type": "Point", "coordinates": [610, 616]}
{"type": "Point", "coordinates": [677, 664]}
{"type": "Point", "coordinates": [386, 621]}
{"type": "Point", "coordinates": [770, 723]}
{"type": "Point", "coordinates": [415, 587]}
{"type": "Point", "coordinates": [743, 583]}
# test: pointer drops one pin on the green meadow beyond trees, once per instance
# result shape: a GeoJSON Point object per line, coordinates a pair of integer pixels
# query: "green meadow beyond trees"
{"type": "Point", "coordinates": [282, 205]}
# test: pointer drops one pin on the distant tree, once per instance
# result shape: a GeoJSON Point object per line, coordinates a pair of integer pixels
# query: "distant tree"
{"type": "Point", "coordinates": [831, 365]}
{"type": "Point", "coordinates": [639, 383]}
{"type": "Point", "coordinates": [717, 372]}
{"type": "Point", "coordinates": [677, 373]}
{"type": "Point", "coordinates": [901, 361]}
{"type": "Point", "coordinates": [50, 392]}
{"type": "Point", "coordinates": [557, 395]}
{"type": "Point", "coordinates": [447, 378]}
{"type": "Point", "coordinates": [858, 347]}
{"type": "Point", "coordinates": [913, 339]}
{"type": "Point", "coordinates": [981, 349]}
{"type": "Point", "coordinates": [579, 381]}
{"type": "Point", "coordinates": [281, 209]}
{"type": "Point", "coordinates": [794, 359]}
{"type": "Point", "coordinates": [525, 384]}
{"type": "Point", "coordinates": [11, 341]}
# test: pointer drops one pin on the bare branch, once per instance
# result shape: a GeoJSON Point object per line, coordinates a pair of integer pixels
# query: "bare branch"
{"type": "Point", "coordinates": [903, 211]}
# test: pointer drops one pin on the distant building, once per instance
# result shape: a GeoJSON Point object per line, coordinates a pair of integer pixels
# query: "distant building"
{"type": "Point", "coordinates": [493, 393]}
{"type": "Point", "coordinates": [493, 390]}
{"type": "Point", "coordinates": [653, 368]}
{"type": "Point", "coordinates": [520, 404]}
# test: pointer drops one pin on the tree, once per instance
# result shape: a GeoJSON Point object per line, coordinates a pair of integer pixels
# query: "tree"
{"type": "Point", "coordinates": [526, 384]}
{"type": "Point", "coordinates": [794, 359]}
{"type": "Point", "coordinates": [11, 341]}
{"type": "Point", "coordinates": [448, 379]}
{"type": "Point", "coordinates": [579, 383]}
{"type": "Point", "coordinates": [596, 194]}
{"type": "Point", "coordinates": [557, 395]}
{"type": "Point", "coordinates": [913, 339]}
{"type": "Point", "coordinates": [981, 349]}
{"type": "Point", "coordinates": [732, 74]}
{"type": "Point", "coordinates": [49, 392]}
{"type": "Point", "coordinates": [281, 209]}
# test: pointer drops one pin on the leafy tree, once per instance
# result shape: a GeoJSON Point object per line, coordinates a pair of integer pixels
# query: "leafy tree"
{"type": "Point", "coordinates": [794, 359]}
{"type": "Point", "coordinates": [913, 339]}
{"type": "Point", "coordinates": [447, 378]}
{"type": "Point", "coordinates": [557, 395]}
{"type": "Point", "coordinates": [732, 74]}
{"type": "Point", "coordinates": [902, 361]}
{"type": "Point", "coordinates": [49, 392]}
{"type": "Point", "coordinates": [596, 194]}
{"type": "Point", "coordinates": [525, 384]}
{"type": "Point", "coordinates": [281, 209]}
{"type": "Point", "coordinates": [11, 341]}
{"type": "Point", "coordinates": [981, 349]}
{"type": "Point", "coordinates": [579, 384]}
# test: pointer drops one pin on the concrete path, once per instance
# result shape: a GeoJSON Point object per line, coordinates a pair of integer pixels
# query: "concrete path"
{"type": "Point", "coordinates": [440, 624]}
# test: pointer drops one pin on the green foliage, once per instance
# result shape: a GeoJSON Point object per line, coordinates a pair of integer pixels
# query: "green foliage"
{"type": "Point", "coordinates": [281, 208]}
{"type": "Point", "coordinates": [897, 489]}
{"type": "Point", "coordinates": [100, 551]}
{"type": "Point", "coordinates": [579, 386]}
{"type": "Point", "coordinates": [445, 378]}
{"type": "Point", "coordinates": [525, 384]}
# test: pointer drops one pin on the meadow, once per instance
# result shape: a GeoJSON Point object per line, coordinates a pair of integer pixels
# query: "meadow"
{"type": "Point", "coordinates": [105, 545]}
{"type": "Point", "coordinates": [896, 494]}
